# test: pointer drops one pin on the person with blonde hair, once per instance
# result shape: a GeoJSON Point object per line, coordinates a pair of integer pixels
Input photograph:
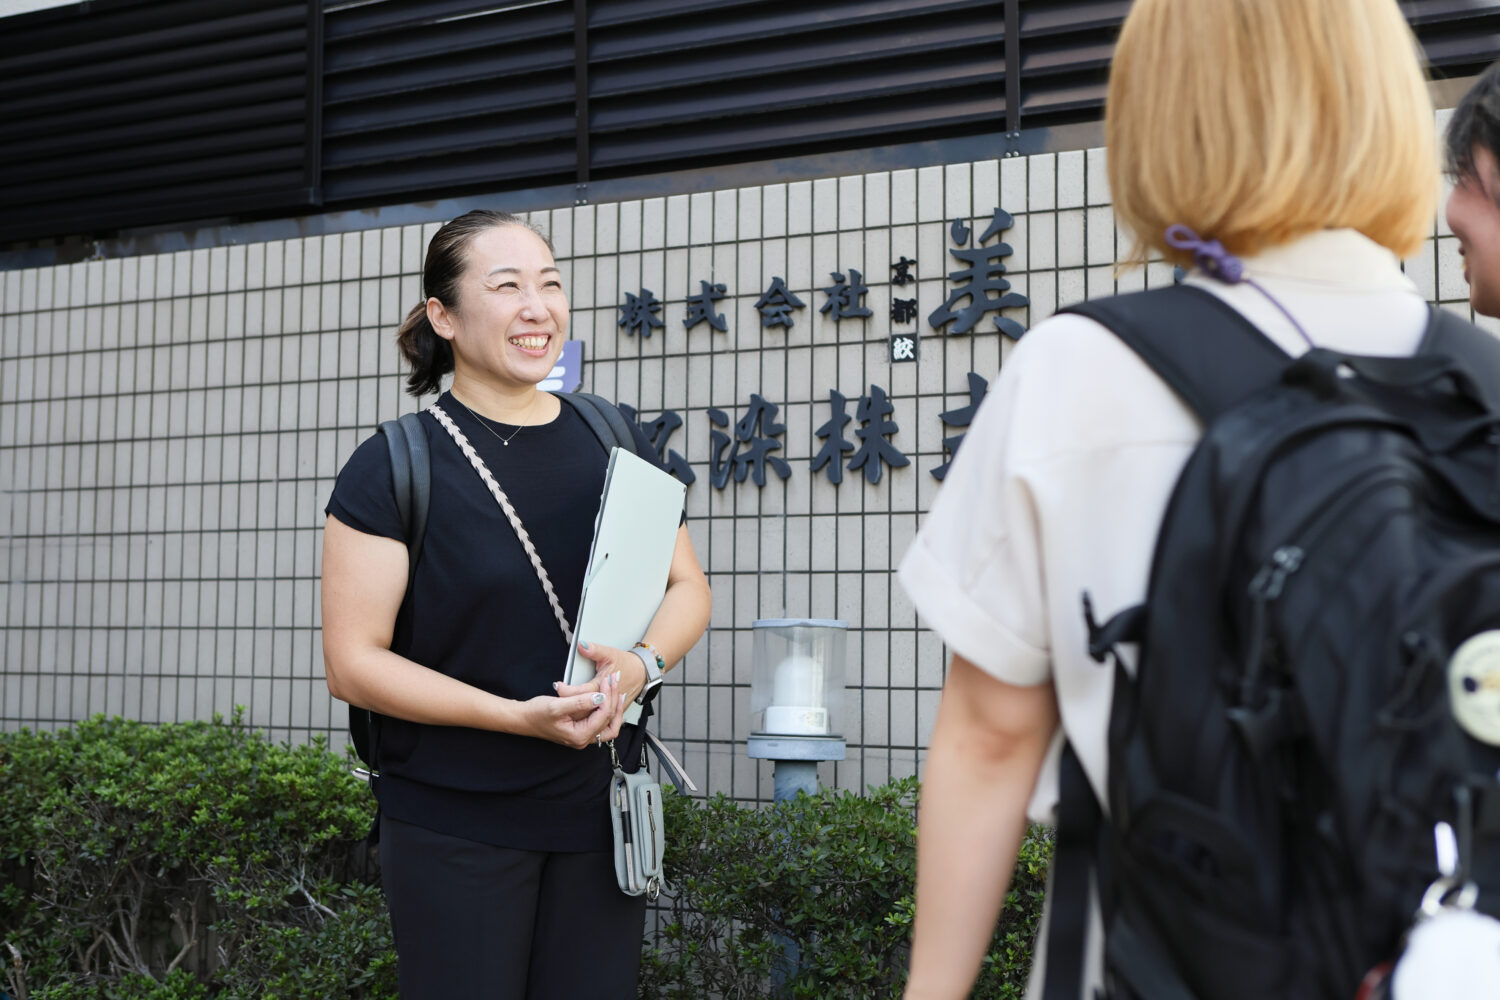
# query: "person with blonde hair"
{"type": "Point", "coordinates": [1286, 148]}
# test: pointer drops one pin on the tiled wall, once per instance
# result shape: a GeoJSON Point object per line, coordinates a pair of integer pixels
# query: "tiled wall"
{"type": "Point", "coordinates": [170, 427]}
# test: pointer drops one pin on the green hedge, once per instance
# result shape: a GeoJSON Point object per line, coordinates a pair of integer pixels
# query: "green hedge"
{"type": "Point", "coordinates": [200, 861]}
{"type": "Point", "coordinates": [812, 898]}
{"type": "Point", "coordinates": [184, 861]}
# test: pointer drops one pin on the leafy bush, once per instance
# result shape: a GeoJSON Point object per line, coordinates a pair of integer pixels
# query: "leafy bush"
{"type": "Point", "coordinates": [812, 898]}
{"type": "Point", "coordinates": [200, 861]}
{"type": "Point", "coordinates": [151, 862]}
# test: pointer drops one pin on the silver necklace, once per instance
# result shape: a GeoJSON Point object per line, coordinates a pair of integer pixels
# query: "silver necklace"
{"type": "Point", "coordinates": [486, 424]}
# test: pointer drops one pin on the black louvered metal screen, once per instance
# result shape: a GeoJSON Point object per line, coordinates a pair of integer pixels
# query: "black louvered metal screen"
{"type": "Point", "coordinates": [1459, 37]}
{"type": "Point", "coordinates": [678, 82]}
{"type": "Point", "coordinates": [127, 113]}
{"type": "Point", "coordinates": [150, 112]}
{"type": "Point", "coordinates": [442, 95]}
{"type": "Point", "coordinates": [1065, 51]}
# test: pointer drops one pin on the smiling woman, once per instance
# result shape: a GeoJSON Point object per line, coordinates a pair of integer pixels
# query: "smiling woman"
{"type": "Point", "coordinates": [495, 841]}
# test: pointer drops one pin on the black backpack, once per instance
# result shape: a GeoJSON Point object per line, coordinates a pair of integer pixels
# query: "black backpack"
{"type": "Point", "coordinates": [1281, 755]}
{"type": "Point", "coordinates": [411, 472]}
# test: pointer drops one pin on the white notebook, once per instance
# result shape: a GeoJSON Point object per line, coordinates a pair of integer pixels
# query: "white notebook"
{"type": "Point", "coordinates": [635, 535]}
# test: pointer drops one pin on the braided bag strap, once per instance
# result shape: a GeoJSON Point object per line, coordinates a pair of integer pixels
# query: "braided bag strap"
{"type": "Point", "coordinates": [510, 514]}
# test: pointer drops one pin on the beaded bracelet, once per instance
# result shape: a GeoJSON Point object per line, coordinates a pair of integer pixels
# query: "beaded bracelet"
{"type": "Point", "coordinates": [660, 663]}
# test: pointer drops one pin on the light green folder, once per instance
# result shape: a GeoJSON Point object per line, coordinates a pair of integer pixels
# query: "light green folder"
{"type": "Point", "coordinates": [634, 537]}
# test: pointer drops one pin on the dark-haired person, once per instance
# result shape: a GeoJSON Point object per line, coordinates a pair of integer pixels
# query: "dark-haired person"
{"type": "Point", "coordinates": [495, 842]}
{"type": "Point", "coordinates": [1473, 212]}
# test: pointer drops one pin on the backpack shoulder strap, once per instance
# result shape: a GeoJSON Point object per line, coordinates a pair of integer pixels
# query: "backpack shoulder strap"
{"type": "Point", "coordinates": [603, 418]}
{"type": "Point", "coordinates": [1196, 342]}
{"type": "Point", "coordinates": [411, 476]}
{"type": "Point", "coordinates": [1477, 351]}
{"type": "Point", "coordinates": [420, 457]}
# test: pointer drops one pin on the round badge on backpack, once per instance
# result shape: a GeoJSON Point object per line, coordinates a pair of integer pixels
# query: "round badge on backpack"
{"type": "Point", "coordinates": [1474, 686]}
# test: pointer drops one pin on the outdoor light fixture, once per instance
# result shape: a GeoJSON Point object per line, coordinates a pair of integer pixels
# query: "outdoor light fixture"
{"type": "Point", "coordinates": [797, 697]}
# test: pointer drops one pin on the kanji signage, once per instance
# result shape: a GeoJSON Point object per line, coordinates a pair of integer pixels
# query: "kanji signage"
{"type": "Point", "coordinates": [747, 448]}
{"type": "Point", "coordinates": [977, 290]}
{"type": "Point", "coordinates": [960, 417]}
{"type": "Point", "coordinates": [776, 305]}
{"type": "Point", "coordinates": [746, 452]}
{"type": "Point", "coordinates": [638, 314]}
{"type": "Point", "coordinates": [982, 282]}
{"type": "Point", "coordinates": [754, 439]}
{"type": "Point", "coordinates": [846, 297]}
{"type": "Point", "coordinates": [657, 432]}
{"type": "Point", "coordinates": [701, 308]}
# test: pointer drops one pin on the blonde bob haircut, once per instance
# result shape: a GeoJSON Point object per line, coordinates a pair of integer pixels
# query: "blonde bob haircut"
{"type": "Point", "coordinates": [1254, 122]}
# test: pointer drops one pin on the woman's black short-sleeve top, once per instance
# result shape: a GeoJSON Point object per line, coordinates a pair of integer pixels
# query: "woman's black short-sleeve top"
{"type": "Point", "coordinates": [478, 613]}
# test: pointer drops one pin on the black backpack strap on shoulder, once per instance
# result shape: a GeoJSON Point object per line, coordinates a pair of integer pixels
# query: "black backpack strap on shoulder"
{"type": "Point", "coordinates": [1196, 342]}
{"type": "Point", "coordinates": [411, 480]}
{"type": "Point", "coordinates": [1079, 820]}
{"type": "Point", "coordinates": [421, 492]}
{"type": "Point", "coordinates": [411, 476]}
{"type": "Point", "coordinates": [1478, 352]}
{"type": "Point", "coordinates": [603, 418]}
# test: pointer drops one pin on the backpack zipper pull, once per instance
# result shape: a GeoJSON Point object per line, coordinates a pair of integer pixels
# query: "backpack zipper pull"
{"type": "Point", "coordinates": [1272, 577]}
{"type": "Point", "coordinates": [1267, 585]}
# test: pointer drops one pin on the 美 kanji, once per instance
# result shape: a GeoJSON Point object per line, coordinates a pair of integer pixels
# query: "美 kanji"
{"type": "Point", "coordinates": [983, 276]}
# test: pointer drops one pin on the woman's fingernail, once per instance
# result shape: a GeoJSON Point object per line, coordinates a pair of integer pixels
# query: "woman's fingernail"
{"type": "Point", "coordinates": [597, 697]}
{"type": "Point", "coordinates": [617, 677]}
{"type": "Point", "coordinates": [556, 685]}
{"type": "Point", "coordinates": [582, 644]}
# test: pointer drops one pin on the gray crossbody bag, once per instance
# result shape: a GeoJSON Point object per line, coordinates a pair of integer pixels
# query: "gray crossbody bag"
{"type": "Point", "coordinates": [635, 805]}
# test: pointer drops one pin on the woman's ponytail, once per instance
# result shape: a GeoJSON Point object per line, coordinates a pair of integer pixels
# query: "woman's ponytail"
{"type": "Point", "coordinates": [429, 356]}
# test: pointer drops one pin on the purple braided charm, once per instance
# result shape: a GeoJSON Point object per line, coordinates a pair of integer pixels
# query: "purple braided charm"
{"type": "Point", "coordinates": [1207, 254]}
{"type": "Point", "coordinates": [1219, 263]}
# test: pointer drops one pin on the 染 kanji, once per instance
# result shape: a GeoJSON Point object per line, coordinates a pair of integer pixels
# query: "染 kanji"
{"type": "Point", "coordinates": [844, 297]}
{"type": "Point", "coordinates": [961, 417]}
{"type": "Point", "coordinates": [638, 314]}
{"type": "Point", "coordinates": [754, 440]}
{"type": "Point", "coordinates": [983, 276]}
{"type": "Point", "coordinates": [876, 451]}
{"type": "Point", "coordinates": [834, 442]}
{"type": "Point", "coordinates": [776, 305]}
{"type": "Point", "coordinates": [657, 432]}
{"type": "Point", "coordinates": [700, 308]}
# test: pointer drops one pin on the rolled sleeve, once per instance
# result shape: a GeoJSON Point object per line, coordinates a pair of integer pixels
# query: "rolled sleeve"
{"type": "Point", "coordinates": [967, 623]}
